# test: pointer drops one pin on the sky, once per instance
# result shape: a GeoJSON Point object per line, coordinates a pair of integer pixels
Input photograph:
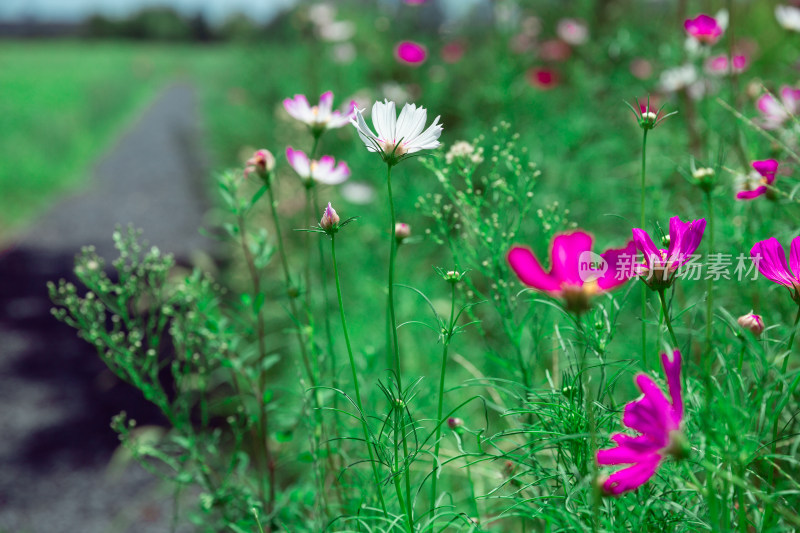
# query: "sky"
{"type": "Point", "coordinates": [73, 10]}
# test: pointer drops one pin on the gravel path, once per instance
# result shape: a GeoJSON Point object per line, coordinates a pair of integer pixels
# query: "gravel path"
{"type": "Point", "coordinates": [56, 397]}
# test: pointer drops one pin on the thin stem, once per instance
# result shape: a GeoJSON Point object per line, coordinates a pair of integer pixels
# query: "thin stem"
{"type": "Point", "coordinates": [667, 319]}
{"type": "Point", "coordinates": [392, 256]}
{"type": "Point", "coordinates": [355, 378]}
{"type": "Point", "coordinates": [710, 282]}
{"type": "Point", "coordinates": [445, 345]}
{"type": "Point", "coordinates": [642, 221]}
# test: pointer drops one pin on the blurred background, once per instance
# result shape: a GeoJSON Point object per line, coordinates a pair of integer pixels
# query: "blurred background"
{"type": "Point", "coordinates": [123, 111]}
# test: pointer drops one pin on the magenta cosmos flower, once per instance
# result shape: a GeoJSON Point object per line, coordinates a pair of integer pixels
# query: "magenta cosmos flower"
{"type": "Point", "coordinates": [320, 117]}
{"type": "Point", "coordinates": [755, 184]}
{"type": "Point", "coordinates": [660, 423]}
{"type": "Point", "coordinates": [770, 259]}
{"type": "Point", "coordinates": [774, 113]}
{"type": "Point", "coordinates": [576, 273]}
{"type": "Point", "coordinates": [705, 29]}
{"type": "Point", "coordinates": [543, 78]}
{"type": "Point", "coordinates": [410, 53]}
{"type": "Point", "coordinates": [659, 267]}
{"type": "Point", "coordinates": [323, 171]}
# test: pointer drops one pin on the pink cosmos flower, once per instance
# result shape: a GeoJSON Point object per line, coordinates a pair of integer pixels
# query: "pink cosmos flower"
{"type": "Point", "coordinates": [720, 66]}
{"type": "Point", "coordinates": [755, 184]}
{"type": "Point", "coordinates": [576, 273]}
{"type": "Point", "coordinates": [543, 78]}
{"type": "Point", "coordinates": [660, 423]}
{"type": "Point", "coordinates": [312, 171]}
{"type": "Point", "coordinates": [770, 259]}
{"type": "Point", "coordinates": [320, 117]}
{"type": "Point", "coordinates": [774, 113]}
{"type": "Point", "coordinates": [411, 53]}
{"type": "Point", "coordinates": [453, 51]}
{"type": "Point", "coordinates": [704, 28]}
{"type": "Point", "coordinates": [659, 267]}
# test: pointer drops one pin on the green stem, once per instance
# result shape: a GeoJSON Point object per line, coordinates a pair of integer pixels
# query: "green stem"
{"type": "Point", "coordinates": [355, 377]}
{"type": "Point", "coordinates": [667, 319]}
{"type": "Point", "coordinates": [710, 283]}
{"type": "Point", "coordinates": [395, 348]}
{"type": "Point", "coordinates": [445, 346]}
{"type": "Point", "coordinates": [642, 222]}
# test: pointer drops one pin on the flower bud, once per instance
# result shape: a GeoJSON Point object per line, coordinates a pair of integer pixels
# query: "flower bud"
{"type": "Point", "coordinates": [402, 231]}
{"type": "Point", "coordinates": [752, 323]}
{"type": "Point", "coordinates": [262, 163]}
{"type": "Point", "coordinates": [455, 423]}
{"type": "Point", "coordinates": [330, 220]}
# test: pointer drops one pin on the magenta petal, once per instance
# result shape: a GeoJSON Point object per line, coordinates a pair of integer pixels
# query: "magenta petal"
{"type": "Point", "coordinates": [565, 254]}
{"type": "Point", "coordinates": [772, 262]}
{"type": "Point", "coordinates": [633, 477]}
{"type": "Point", "coordinates": [749, 195]}
{"type": "Point", "coordinates": [629, 450]}
{"type": "Point", "coordinates": [794, 257]}
{"type": "Point", "coordinates": [766, 168]}
{"type": "Point", "coordinates": [650, 414]}
{"type": "Point", "coordinates": [530, 271]}
{"type": "Point", "coordinates": [672, 369]}
{"type": "Point", "coordinates": [645, 245]}
{"type": "Point", "coordinates": [620, 266]}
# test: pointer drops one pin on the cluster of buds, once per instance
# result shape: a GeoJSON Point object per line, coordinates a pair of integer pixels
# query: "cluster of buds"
{"type": "Point", "coordinates": [262, 164]}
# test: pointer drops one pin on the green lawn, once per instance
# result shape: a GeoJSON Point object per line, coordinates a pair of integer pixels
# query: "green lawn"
{"type": "Point", "coordinates": [63, 103]}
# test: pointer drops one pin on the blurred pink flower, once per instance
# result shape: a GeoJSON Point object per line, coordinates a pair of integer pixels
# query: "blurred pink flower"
{"type": "Point", "coordinates": [554, 50]}
{"type": "Point", "coordinates": [774, 113]}
{"type": "Point", "coordinates": [641, 68]}
{"type": "Point", "coordinates": [719, 65]}
{"type": "Point", "coordinates": [573, 31]}
{"type": "Point", "coordinates": [312, 171]}
{"type": "Point", "coordinates": [755, 184]}
{"type": "Point", "coordinates": [703, 28]}
{"type": "Point", "coordinates": [453, 51]}
{"type": "Point", "coordinates": [415, 2]}
{"type": "Point", "coordinates": [576, 273]}
{"type": "Point", "coordinates": [411, 53]}
{"type": "Point", "coordinates": [319, 117]}
{"type": "Point", "coordinates": [770, 259]}
{"type": "Point", "coordinates": [660, 423]}
{"type": "Point", "coordinates": [543, 78]}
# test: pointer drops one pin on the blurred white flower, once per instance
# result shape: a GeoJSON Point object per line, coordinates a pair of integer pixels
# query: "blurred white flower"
{"type": "Point", "coordinates": [336, 31]}
{"type": "Point", "coordinates": [788, 17]}
{"type": "Point", "coordinates": [321, 14]}
{"type": "Point", "coordinates": [675, 79]}
{"type": "Point", "coordinates": [573, 31]}
{"type": "Point", "coordinates": [358, 192]}
{"type": "Point", "coordinates": [344, 53]}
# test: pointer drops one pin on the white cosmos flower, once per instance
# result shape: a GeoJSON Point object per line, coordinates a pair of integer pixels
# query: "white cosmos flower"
{"type": "Point", "coordinates": [788, 17]}
{"type": "Point", "coordinates": [323, 171]}
{"type": "Point", "coordinates": [321, 116]}
{"type": "Point", "coordinates": [396, 136]}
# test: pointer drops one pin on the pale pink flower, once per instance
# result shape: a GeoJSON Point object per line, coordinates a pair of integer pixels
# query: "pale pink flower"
{"type": "Point", "coordinates": [320, 117]}
{"type": "Point", "coordinates": [324, 171]}
{"type": "Point", "coordinates": [721, 66]}
{"type": "Point", "coordinates": [573, 31]}
{"type": "Point", "coordinates": [660, 424]}
{"type": "Point", "coordinates": [775, 113]}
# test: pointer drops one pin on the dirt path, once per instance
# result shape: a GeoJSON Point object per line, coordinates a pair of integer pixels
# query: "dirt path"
{"type": "Point", "coordinates": [56, 397]}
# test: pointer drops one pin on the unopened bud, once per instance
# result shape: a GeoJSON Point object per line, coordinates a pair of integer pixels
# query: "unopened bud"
{"type": "Point", "coordinates": [330, 220]}
{"type": "Point", "coordinates": [665, 241]}
{"type": "Point", "coordinates": [402, 231]}
{"type": "Point", "coordinates": [752, 323]}
{"type": "Point", "coordinates": [454, 423]}
{"type": "Point", "coordinates": [262, 163]}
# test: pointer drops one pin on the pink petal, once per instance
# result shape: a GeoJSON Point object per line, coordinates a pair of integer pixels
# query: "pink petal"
{"type": "Point", "coordinates": [530, 272]}
{"type": "Point", "coordinates": [629, 450]}
{"type": "Point", "coordinates": [749, 195]}
{"type": "Point", "coordinates": [646, 245]}
{"type": "Point", "coordinates": [620, 266]}
{"type": "Point", "coordinates": [633, 477]}
{"type": "Point", "coordinates": [672, 370]}
{"type": "Point", "coordinates": [299, 162]}
{"type": "Point", "coordinates": [794, 256]}
{"type": "Point", "coordinates": [565, 256]}
{"type": "Point", "coordinates": [790, 98]}
{"type": "Point", "coordinates": [650, 414]}
{"type": "Point", "coordinates": [326, 102]}
{"type": "Point", "coordinates": [772, 263]}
